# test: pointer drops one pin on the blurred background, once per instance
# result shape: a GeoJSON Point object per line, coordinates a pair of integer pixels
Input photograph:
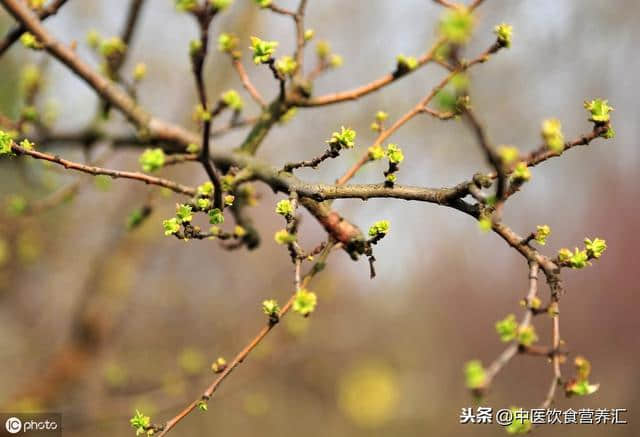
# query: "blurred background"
{"type": "Point", "coordinates": [97, 321]}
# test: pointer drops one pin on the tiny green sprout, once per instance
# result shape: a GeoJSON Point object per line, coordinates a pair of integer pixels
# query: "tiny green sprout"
{"type": "Point", "coordinates": [29, 40]}
{"type": "Point", "coordinates": [226, 181]}
{"type": "Point", "coordinates": [229, 199]}
{"type": "Point", "coordinates": [519, 422]}
{"type": "Point", "coordinates": [542, 232]}
{"type": "Point", "coordinates": [457, 25]}
{"type": "Point", "coordinates": [381, 116]}
{"type": "Point", "coordinates": [262, 50]}
{"type": "Point", "coordinates": [206, 189]}
{"type": "Point", "coordinates": [184, 213]}
{"type": "Point", "coordinates": [152, 160]}
{"type": "Point", "coordinates": [195, 47]}
{"type": "Point", "coordinates": [609, 133]}
{"type": "Point", "coordinates": [202, 405]}
{"type": "Point", "coordinates": [343, 139]}
{"type": "Point", "coordinates": [186, 5]}
{"type": "Point", "coordinates": [582, 388]}
{"type": "Point", "coordinates": [406, 63]}
{"type": "Point", "coordinates": [113, 46]}
{"type": "Point", "coordinates": [286, 65]}
{"type": "Point", "coordinates": [140, 422]}
{"type": "Point", "coordinates": [599, 110]}
{"type": "Point", "coordinates": [93, 39]}
{"type": "Point", "coordinates": [285, 208]}
{"type": "Point", "coordinates": [564, 254]}
{"type": "Point", "coordinates": [375, 127]}
{"type": "Point", "coordinates": [270, 307]}
{"type": "Point", "coordinates": [504, 33]}
{"type": "Point", "coordinates": [507, 328]}
{"type": "Point", "coordinates": [284, 237]}
{"type": "Point", "coordinates": [527, 335]}
{"type": "Point", "coordinates": [578, 259]}
{"type": "Point", "coordinates": [239, 231]}
{"type": "Point", "coordinates": [323, 49]}
{"type": "Point", "coordinates": [394, 153]}
{"type": "Point", "coordinates": [552, 134]}
{"type": "Point", "coordinates": [335, 61]}
{"type": "Point", "coordinates": [203, 204]}
{"type": "Point", "coordinates": [521, 172]}
{"type": "Point", "coordinates": [135, 218]}
{"type": "Point", "coordinates": [508, 154]}
{"type": "Point", "coordinates": [171, 226]}
{"type": "Point", "coordinates": [232, 99]}
{"type": "Point", "coordinates": [220, 5]}
{"type": "Point", "coordinates": [379, 228]}
{"type": "Point", "coordinates": [216, 217]}
{"type": "Point", "coordinates": [595, 248]}
{"type": "Point", "coordinates": [6, 143]}
{"type": "Point", "coordinates": [200, 114]}
{"type": "Point", "coordinates": [391, 178]}
{"type": "Point", "coordinates": [219, 365]}
{"type": "Point", "coordinates": [215, 231]}
{"type": "Point", "coordinates": [304, 302]}
{"type": "Point", "coordinates": [139, 71]}
{"type": "Point", "coordinates": [376, 152]}
{"type": "Point", "coordinates": [308, 34]}
{"type": "Point", "coordinates": [227, 42]}
{"type": "Point", "coordinates": [263, 3]}
{"type": "Point", "coordinates": [193, 148]}
{"type": "Point", "coordinates": [474, 375]}
{"type": "Point", "coordinates": [485, 223]}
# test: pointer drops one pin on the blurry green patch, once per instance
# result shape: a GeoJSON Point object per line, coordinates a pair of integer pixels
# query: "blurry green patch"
{"type": "Point", "coordinates": [256, 404]}
{"type": "Point", "coordinates": [29, 246]}
{"type": "Point", "coordinates": [102, 182]}
{"type": "Point", "coordinates": [368, 394]}
{"type": "Point", "coordinates": [296, 326]}
{"type": "Point", "coordinates": [191, 360]}
{"type": "Point", "coordinates": [115, 375]}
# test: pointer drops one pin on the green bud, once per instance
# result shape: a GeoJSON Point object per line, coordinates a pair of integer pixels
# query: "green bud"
{"type": "Point", "coordinates": [262, 50]}
{"type": "Point", "coordinates": [504, 32]}
{"type": "Point", "coordinates": [508, 154]}
{"type": "Point", "coordinates": [220, 5]}
{"type": "Point", "coordinates": [527, 335]}
{"type": "Point", "coordinates": [6, 143]}
{"type": "Point", "coordinates": [30, 41]}
{"type": "Point", "coordinates": [206, 189]}
{"type": "Point", "coordinates": [379, 228]}
{"type": "Point", "coordinates": [113, 46]}
{"type": "Point", "coordinates": [599, 110]}
{"type": "Point", "coordinates": [394, 153]}
{"type": "Point", "coordinates": [152, 160]}
{"type": "Point", "coordinates": [232, 99]}
{"type": "Point", "coordinates": [507, 328]}
{"type": "Point", "coordinates": [186, 5]}
{"type": "Point", "coordinates": [552, 134]}
{"type": "Point", "coordinates": [521, 172]}
{"type": "Point", "coordinates": [171, 226]}
{"type": "Point", "coordinates": [343, 139]}
{"type": "Point", "coordinates": [542, 232]}
{"type": "Point", "coordinates": [284, 237]}
{"type": "Point", "coordinates": [184, 213]}
{"type": "Point", "coordinates": [406, 63]}
{"type": "Point", "coordinates": [308, 34]}
{"type": "Point", "coordinates": [376, 152]}
{"type": "Point", "coordinates": [216, 217]}
{"type": "Point", "coordinates": [140, 422]}
{"type": "Point", "coordinates": [270, 307]}
{"type": "Point", "coordinates": [475, 375]}
{"type": "Point", "coordinates": [286, 65]}
{"type": "Point", "coordinates": [284, 208]}
{"type": "Point", "coordinates": [595, 248]}
{"type": "Point", "coordinates": [263, 3]}
{"type": "Point", "coordinates": [457, 25]}
{"type": "Point", "coordinates": [227, 42]}
{"type": "Point", "coordinates": [305, 302]}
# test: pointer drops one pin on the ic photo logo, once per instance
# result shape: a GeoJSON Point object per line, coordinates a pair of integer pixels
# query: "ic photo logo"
{"type": "Point", "coordinates": [13, 425]}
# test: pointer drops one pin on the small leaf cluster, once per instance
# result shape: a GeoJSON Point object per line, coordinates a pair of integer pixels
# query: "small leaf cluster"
{"type": "Point", "coordinates": [552, 134]}
{"type": "Point", "coordinates": [508, 154]}
{"type": "Point", "coordinates": [395, 156]}
{"type": "Point", "coordinates": [504, 32]}
{"type": "Point", "coordinates": [327, 58]}
{"type": "Point", "coordinates": [227, 42]}
{"type": "Point", "coordinates": [542, 233]}
{"type": "Point", "coordinates": [6, 143]}
{"type": "Point", "coordinates": [379, 228]}
{"type": "Point", "coordinates": [599, 111]}
{"type": "Point", "coordinates": [285, 208]}
{"type": "Point", "coordinates": [519, 423]}
{"type": "Point", "coordinates": [286, 65]}
{"type": "Point", "coordinates": [521, 173]}
{"type": "Point", "coordinates": [405, 64]}
{"type": "Point", "coordinates": [579, 259]}
{"type": "Point", "coordinates": [141, 423]}
{"type": "Point", "coordinates": [345, 139]}
{"type": "Point", "coordinates": [262, 50]}
{"type": "Point", "coordinates": [508, 329]}
{"type": "Point", "coordinates": [377, 126]}
{"type": "Point", "coordinates": [152, 160]}
{"type": "Point", "coordinates": [305, 302]}
{"type": "Point", "coordinates": [232, 99]}
{"type": "Point", "coordinates": [284, 237]}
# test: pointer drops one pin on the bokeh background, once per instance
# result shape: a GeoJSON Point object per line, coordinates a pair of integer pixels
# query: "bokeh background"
{"type": "Point", "coordinates": [134, 319]}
